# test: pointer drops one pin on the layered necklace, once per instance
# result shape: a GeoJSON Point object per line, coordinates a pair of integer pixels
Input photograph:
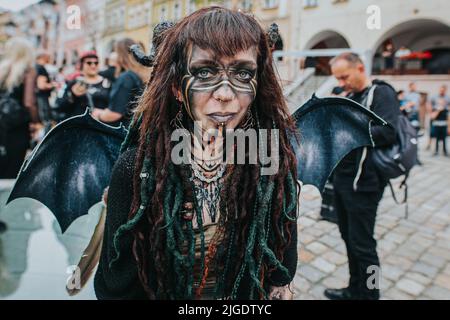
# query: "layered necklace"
{"type": "Point", "coordinates": [208, 170]}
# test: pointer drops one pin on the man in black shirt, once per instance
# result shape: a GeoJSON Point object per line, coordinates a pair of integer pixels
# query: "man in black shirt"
{"type": "Point", "coordinates": [44, 86]}
{"type": "Point", "coordinates": [357, 185]}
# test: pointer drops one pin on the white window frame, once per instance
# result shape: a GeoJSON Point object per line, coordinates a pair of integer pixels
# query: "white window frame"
{"type": "Point", "coordinates": [270, 4]}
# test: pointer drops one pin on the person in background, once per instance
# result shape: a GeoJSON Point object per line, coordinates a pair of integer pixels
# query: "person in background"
{"type": "Point", "coordinates": [90, 90]}
{"type": "Point", "coordinates": [404, 104]}
{"type": "Point", "coordinates": [439, 118]}
{"type": "Point", "coordinates": [110, 72]}
{"type": "Point", "coordinates": [18, 82]}
{"type": "Point", "coordinates": [412, 105]}
{"type": "Point", "coordinates": [401, 56]}
{"type": "Point", "coordinates": [60, 77]}
{"type": "Point", "coordinates": [126, 89]}
{"type": "Point", "coordinates": [388, 55]}
{"type": "Point", "coordinates": [401, 100]}
{"type": "Point", "coordinates": [358, 188]}
{"type": "Point", "coordinates": [44, 87]}
{"type": "Point", "coordinates": [75, 72]}
{"type": "Point", "coordinates": [433, 106]}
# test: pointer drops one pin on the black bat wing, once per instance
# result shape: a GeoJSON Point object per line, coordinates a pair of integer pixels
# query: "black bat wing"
{"type": "Point", "coordinates": [329, 129]}
{"type": "Point", "coordinates": [69, 169]}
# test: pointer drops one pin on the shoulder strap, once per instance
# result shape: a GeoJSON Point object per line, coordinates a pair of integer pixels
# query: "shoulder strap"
{"type": "Point", "coordinates": [369, 99]}
{"type": "Point", "coordinates": [366, 103]}
{"type": "Point", "coordinates": [405, 200]}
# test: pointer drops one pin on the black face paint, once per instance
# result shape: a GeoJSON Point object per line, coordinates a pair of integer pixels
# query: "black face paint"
{"type": "Point", "coordinates": [209, 75]}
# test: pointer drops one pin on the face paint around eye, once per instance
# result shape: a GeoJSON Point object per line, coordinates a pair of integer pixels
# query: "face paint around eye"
{"type": "Point", "coordinates": [240, 81]}
{"type": "Point", "coordinates": [216, 88]}
{"type": "Point", "coordinates": [204, 73]}
{"type": "Point", "coordinates": [243, 75]}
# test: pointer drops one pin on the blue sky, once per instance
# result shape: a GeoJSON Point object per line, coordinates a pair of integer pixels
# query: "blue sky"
{"type": "Point", "coordinates": [16, 4]}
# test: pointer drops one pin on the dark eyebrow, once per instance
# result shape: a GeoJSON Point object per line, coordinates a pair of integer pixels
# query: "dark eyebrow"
{"type": "Point", "coordinates": [204, 62]}
{"type": "Point", "coordinates": [244, 63]}
{"type": "Point", "coordinates": [214, 63]}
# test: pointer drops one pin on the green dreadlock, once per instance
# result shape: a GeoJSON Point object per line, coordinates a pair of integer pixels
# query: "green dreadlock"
{"type": "Point", "coordinates": [178, 231]}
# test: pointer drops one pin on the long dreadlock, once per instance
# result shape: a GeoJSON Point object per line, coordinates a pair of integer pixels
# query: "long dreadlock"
{"type": "Point", "coordinates": [256, 212]}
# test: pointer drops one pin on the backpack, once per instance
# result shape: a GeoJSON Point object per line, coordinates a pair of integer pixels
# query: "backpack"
{"type": "Point", "coordinates": [397, 160]}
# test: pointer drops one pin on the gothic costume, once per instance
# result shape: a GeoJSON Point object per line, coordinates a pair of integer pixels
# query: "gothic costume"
{"type": "Point", "coordinates": [209, 229]}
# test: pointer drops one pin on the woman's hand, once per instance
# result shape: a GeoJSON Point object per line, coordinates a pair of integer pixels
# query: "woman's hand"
{"type": "Point", "coordinates": [281, 293]}
{"type": "Point", "coordinates": [96, 113]}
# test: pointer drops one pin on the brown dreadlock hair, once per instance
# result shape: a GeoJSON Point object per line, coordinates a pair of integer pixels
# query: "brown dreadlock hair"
{"type": "Point", "coordinates": [257, 211]}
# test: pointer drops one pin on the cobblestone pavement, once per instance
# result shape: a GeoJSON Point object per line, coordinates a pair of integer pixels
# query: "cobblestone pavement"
{"type": "Point", "coordinates": [414, 252]}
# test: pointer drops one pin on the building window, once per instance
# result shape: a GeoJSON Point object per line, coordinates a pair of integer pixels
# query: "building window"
{"type": "Point", "coordinates": [148, 13]}
{"type": "Point", "coordinates": [191, 6]}
{"type": "Point", "coordinates": [310, 3]}
{"type": "Point", "coordinates": [270, 4]}
{"type": "Point", "coordinates": [163, 14]}
{"type": "Point", "coordinates": [177, 11]}
{"type": "Point", "coordinates": [246, 5]}
{"type": "Point", "coordinates": [142, 15]}
{"type": "Point", "coordinates": [132, 17]}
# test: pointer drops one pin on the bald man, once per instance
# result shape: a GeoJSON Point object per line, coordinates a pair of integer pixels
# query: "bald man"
{"type": "Point", "coordinates": [358, 188]}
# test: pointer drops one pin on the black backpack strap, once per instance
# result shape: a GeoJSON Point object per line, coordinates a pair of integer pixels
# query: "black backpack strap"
{"type": "Point", "coordinates": [405, 200]}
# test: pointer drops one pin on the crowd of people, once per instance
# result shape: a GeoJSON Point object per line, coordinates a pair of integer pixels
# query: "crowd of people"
{"type": "Point", "coordinates": [397, 58]}
{"type": "Point", "coordinates": [33, 100]}
{"type": "Point", "coordinates": [109, 94]}
{"type": "Point", "coordinates": [435, 117]}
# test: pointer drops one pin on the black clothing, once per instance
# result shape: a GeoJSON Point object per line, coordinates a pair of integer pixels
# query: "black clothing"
{"type": "Point", "coordinates": [389, 62]}
{"type": "Point", "coordinates": [109, 73]}
{"type": "Point", "coordinates": [15, 142]}
{"type": "Point", "coordinates": [122, 281]}
{"type": "Point", "coordinates": [327, 211]}
{"type": "Point", "coordinates": [3, 227]}
{"type": "Point", "coordinates": [356, 208]}
{"type": "Point", "coordinates": [42, 96]}
{"type": "Point", "coordinates": [442, 115]}
{"type": "Point", "coordinates": [441, 135]}
{"type": "Point", "coordinates": [340, 294]}
{"type": "Point", "coordinates": [41, 71]}
{"type": "Point", "coordinates": [356, 213]}
{"type": "Point", "coordinates": [124, 94]}
{"type": "Point", "coordinates": [440, 126]}
{"type": "Point", "coordinates": [385, 105]}
{"type": "Point", "coordinates": [72, 105]}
